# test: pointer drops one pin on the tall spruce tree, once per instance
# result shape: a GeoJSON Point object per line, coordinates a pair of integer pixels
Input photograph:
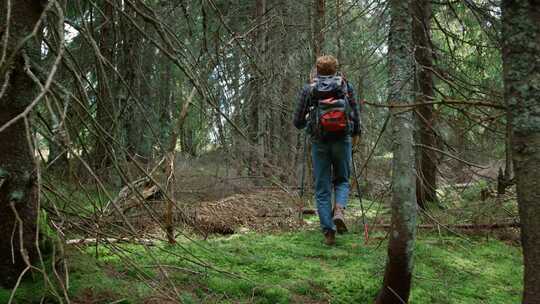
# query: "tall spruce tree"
{"type": "Point", "coordinates": [399, 266]}
{"type": "Point", "coordinates": [521, 65]}
{"type": "Point", "coordinates": [426, 184]}
{"type": "Point", "coordinates": [18, 191]}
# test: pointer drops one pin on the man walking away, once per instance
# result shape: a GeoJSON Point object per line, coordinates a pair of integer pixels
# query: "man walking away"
{"type": "Point", "coordinates": [327, 106]}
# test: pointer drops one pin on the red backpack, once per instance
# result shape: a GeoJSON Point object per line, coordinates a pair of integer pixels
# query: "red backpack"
{"type": "Point", "coordinates": [330, 107]}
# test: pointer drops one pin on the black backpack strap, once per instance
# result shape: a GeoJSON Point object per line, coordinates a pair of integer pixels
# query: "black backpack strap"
{"type": "Point", "coordinates": [312, 86]}
{"type": "Point", "coordinates": [345, 84]}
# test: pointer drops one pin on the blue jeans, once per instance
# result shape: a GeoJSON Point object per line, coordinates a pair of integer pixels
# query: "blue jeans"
{"type": "Point", "coordinates": [331, 157]}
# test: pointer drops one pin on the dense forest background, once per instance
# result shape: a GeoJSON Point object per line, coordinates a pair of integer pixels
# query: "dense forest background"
{"type": "Point", "coordinates": [136, 133]}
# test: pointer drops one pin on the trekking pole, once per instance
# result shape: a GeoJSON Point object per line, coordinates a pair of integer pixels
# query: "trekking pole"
{"type": "Point", "coordinates": [366, 231]}
{"type": "Point", "coordinates": [303, 166]}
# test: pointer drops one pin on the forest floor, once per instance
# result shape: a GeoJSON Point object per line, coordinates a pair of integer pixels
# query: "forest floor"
{"type": "Point", "coordinates": [285, 267]}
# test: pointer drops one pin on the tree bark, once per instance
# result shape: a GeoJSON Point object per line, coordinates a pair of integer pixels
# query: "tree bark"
{"type": "Point", "coordinates": [167, 107]}
{"type": "Point", "coordinates": [145, 114]}
{"type": "Point", "coordinates": [105, 109]}
{"type": "Point", "coordinates": [318, 28]}
{"type": "Point", "coordinates": [287, 145]}
{"type": "Point", "coordinates": [399, 266]}
{"type": "Point", "coordinates": [130, 96]}
{"type": "Point", "coordinates": [170, 169]}
{"type": "Point", "coordinates": [256, 110]}
{"type": "Point", "coordinates": [508, 168]}
{"type": "Point", "coordinates": [521, 72]}
{"type": "Point", "coordinates": [18, 191]}
{"type": "Point", "coordinates": [426, 160]}
{"type": "Point", "coordinates": [339, 24]}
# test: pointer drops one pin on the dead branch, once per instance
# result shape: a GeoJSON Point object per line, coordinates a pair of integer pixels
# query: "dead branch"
{"type": "Point", "coordinates": [494, 226]}
{"type": "Point", "coordinates": [92, 241]}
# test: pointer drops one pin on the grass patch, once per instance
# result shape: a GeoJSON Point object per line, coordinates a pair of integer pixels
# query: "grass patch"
{"type": "Point", "coordinates": [292, 268]}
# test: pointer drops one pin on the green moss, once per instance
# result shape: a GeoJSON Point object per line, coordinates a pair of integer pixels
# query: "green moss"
{"type": "Point", "coordinates": [295, 267]}
{"type": "Point", "coordinates": [273, 295]}
{"type": "Point", "coordinates": [187, 299]}
{"type": "Point", "coordinates": [236, 288]}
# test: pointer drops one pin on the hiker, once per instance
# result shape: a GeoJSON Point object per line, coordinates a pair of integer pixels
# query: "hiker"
{"type": "Point", "coordinates": [327, 107]}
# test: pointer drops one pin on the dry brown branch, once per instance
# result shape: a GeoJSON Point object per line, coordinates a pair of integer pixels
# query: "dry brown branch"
{"type": "Point", "coordinates": [460, 226]}
{"type": "Point", "coordinates": [94, 241]}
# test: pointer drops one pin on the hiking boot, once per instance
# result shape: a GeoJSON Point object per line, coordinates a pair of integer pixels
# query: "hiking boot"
{"type": "Point", "coordinates": [339, 219]}
{"type": "Point", "coordinates": [330, 237]}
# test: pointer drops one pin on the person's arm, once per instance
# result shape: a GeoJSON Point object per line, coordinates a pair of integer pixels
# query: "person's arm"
{"type": "Point", "coordinates": [302, 108]}
{"type": "Point", "coordinates": [355, 106]}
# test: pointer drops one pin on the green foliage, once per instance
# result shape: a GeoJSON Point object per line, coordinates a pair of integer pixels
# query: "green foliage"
{"type": "Point", "coordinates": [467, 205]}
{"type": "Point", "coordinates": [468, 60]}
{"type": "Point", "coordinates": [71, 199]}
{"type": "Point", "coordinates": [48, 239]}
{"type": "Point", "coordinates": [472, 193]}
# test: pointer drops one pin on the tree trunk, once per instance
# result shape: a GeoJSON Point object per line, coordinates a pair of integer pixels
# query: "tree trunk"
{"type": "Point", "coordinates": [131, 94]}
{"type": "Point", "coordinates": [287, 145]}
{"type": "Point", "coordinates": [426, 160]}
{"type": "Point", "coordinates": [105, 109]}
{"type": "Point", "coordinates": [170, 169]}
{"type": "Point", "coordinates": [318, 28]}
{"type": "Point", "coordinates": [339, 36]}
{"type": "Point", "coordinates": [256, 110]}
{"type": "Point", "coordinates": [166, 104]}
{"type": "Point", "coordinates": [145, 114]}
{"type": "Point", "coordinates": [521, 71]}
{"type": "Point", "coordinates": [399, 266]}
{"type": "Point", "coordinates": [508, 168]}
{"type": "Point", "coordinates": [138, 59]}
{"type": "Point", "coordinates": [18, 191]}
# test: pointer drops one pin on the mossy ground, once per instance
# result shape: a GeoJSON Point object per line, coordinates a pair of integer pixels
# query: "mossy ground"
{"type": "Point", "coordinates": [292, 267]}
